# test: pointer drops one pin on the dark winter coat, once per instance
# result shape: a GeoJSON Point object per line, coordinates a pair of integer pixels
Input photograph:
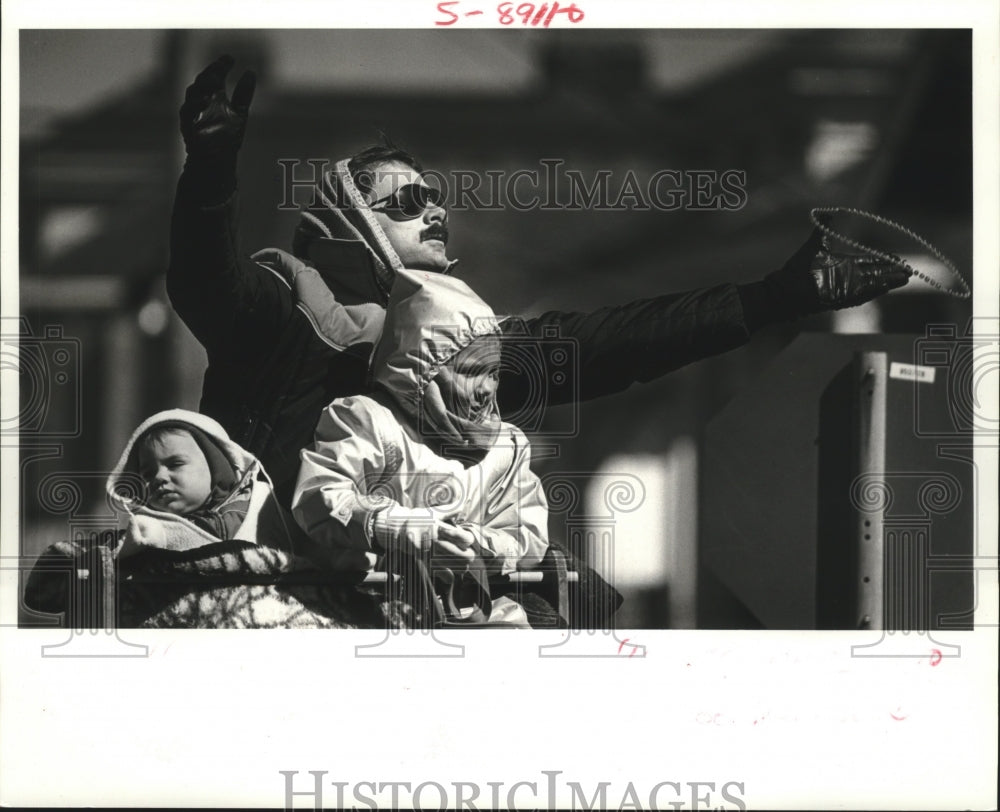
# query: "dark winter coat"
{"type": "Point", "coordinates": [272, 369]}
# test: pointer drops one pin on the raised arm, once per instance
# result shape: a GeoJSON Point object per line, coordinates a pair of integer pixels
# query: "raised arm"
{"type": "Point", "coordinates": [225, 299]}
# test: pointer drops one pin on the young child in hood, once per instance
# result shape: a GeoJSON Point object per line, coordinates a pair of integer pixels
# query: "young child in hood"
{"type": "Point", "coordinates": [378, 477]}
{"type": "Point", "coordinates": [198, 508]}
{"type": "Point", "coordinates": [187, 474]}
{"type": "Point", "coordinates": [185, 484]}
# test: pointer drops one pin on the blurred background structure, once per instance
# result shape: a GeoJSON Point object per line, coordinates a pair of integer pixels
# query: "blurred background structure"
{"type": "Point", "coordinates": [880, 120]}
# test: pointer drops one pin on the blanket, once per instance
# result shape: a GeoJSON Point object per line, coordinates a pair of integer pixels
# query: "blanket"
{"type": "Point", "coordinates": [227, 585]}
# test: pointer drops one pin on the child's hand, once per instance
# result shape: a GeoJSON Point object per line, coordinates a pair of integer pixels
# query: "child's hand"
{"type": "Point", "coordinates": [459, 536]}
{"type": "Point", "coordinates": [454, 545]}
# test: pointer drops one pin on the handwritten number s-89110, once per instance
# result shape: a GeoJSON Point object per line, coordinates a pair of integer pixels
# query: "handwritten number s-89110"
{"type": "Point", "coordinates": [508, 13]}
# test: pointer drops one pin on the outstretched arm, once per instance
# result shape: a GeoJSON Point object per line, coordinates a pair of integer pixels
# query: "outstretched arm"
{"type": "Point", "coordinates": [637, 342]}
{"type": "Point", "coordinates": [617, 346]}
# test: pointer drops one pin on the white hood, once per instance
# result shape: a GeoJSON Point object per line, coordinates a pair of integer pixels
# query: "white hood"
{"type": "Point", "coordinates": [149, 527]}
{"type": "Point", "coordinates": [430, 318]}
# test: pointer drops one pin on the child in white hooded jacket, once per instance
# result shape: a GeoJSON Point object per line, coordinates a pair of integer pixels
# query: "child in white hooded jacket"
{"type": "Point", "coordinates": [204, 545]}
{"type": "Point", "coordinates": [379, 478]}
{"type": "Point", "coordinates": [184, 484]}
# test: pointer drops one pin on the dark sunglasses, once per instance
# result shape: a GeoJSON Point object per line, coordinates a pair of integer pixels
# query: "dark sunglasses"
{"type": "Point", "coordinates": [409, 202]}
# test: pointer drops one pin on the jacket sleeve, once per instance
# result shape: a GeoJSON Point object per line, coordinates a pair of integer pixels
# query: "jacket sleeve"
{"type": "Point", "coordinates": [614, 347]}
{"type": "Point", "coordinates": [227, 301]}
{"type": "Point", "coordinates": [338, 471]}
{"type": "Point", "coordinates": [514, 531]}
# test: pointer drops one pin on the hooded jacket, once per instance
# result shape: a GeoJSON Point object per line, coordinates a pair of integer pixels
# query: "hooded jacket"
{"type": "Point", "coordinates": [172, 573]}
{"type": "Point", "coordinates": [278, 352]}
{"type": "Point", "coordinates": [371, 453]}
{"type": "Point", "coordinates": [240, 493]}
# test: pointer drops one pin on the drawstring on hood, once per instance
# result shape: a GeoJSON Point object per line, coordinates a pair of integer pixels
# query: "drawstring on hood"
{"type": "Point", "coordinates": [429, 319]}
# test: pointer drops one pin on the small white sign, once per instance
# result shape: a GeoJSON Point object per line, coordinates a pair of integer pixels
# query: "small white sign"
{"type": "Point", "coordinates": [911, 372]}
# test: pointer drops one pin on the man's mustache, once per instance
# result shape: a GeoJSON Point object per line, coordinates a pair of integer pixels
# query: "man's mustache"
{"type": "Point", "coordinates": [435, 232]}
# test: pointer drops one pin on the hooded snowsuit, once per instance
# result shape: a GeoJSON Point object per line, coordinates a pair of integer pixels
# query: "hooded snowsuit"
{"type": "Point", "coordinates": [373, 453]}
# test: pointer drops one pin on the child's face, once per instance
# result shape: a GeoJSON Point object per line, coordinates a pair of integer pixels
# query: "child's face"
{"type": "Point", "coordinates": [468, 382]}
{"type": "Point", "coordinates": [176, 471]}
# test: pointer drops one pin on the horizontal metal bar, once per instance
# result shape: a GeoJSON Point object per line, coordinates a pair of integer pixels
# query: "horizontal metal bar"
{"type": "Point", "coordinates": [320, 579]}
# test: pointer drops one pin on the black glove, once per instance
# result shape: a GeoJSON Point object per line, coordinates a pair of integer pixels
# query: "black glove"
{"type": "Point", "coordinates": [816, 279]}
{"type": "Point", "coordinates": [213, 126]}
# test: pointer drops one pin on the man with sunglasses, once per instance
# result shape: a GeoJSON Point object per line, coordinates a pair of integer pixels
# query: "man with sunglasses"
{"type": "Point", "coordinates": [287, 333]}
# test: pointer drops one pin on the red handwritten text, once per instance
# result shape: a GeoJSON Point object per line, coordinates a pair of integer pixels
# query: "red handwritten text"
{"type": "Point", "coordinates": [633, 646]}
{"type": "Point", "coordinates": [527, 14]}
